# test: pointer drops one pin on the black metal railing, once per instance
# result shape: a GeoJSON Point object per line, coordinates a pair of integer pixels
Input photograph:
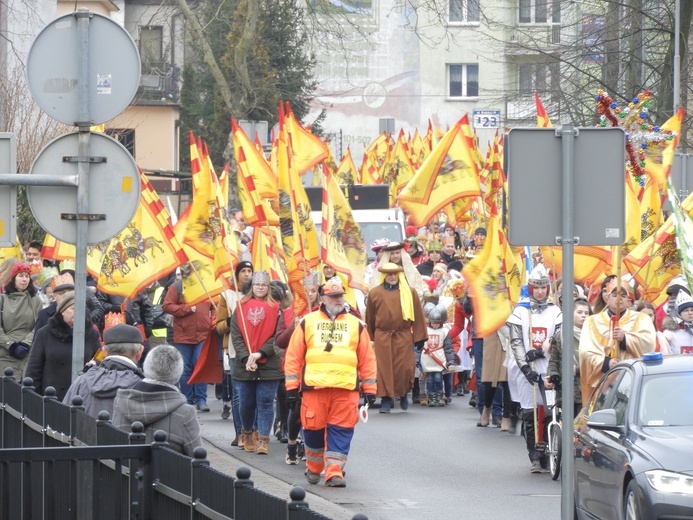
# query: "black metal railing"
{"type": "Point", "coordinates": [57, 462]}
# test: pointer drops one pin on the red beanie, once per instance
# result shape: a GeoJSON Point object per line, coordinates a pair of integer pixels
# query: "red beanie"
{"type": "Point", "coordinates": [19, 268]}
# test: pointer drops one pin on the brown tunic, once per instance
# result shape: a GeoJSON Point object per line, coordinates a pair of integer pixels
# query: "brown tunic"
{"type": "Point", "coordinates": [394, 339]}
{"type": "Point", "coordinates": [493, 369]}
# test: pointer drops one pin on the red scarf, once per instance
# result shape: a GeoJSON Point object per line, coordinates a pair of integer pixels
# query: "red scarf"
{"type": "Point", "coordinates": [258, 324]}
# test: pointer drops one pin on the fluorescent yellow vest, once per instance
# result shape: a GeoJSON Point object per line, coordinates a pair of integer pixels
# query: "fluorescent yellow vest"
{"type": "Point", "coordinates": [338, 367]}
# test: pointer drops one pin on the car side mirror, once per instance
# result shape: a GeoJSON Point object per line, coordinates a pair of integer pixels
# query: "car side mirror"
{"type": "Point", "coordinates": [605, 420]}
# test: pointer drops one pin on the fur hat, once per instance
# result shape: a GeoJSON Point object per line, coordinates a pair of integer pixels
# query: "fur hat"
{"type": "Point", "coordinates": [164, 363]}
{"type": "Point", "coordinates": [122, 333]}
{"type": "Point", "coordinates": [390, 267]}
{"type": "Point", "coordinates": [393, 246]}
{"type": "Point", "coordinates": [683, 301]}
{"type": "Point", "coordinates": [66, 301]}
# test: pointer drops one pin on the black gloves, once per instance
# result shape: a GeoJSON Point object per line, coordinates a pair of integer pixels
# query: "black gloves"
{"type": "Point", "coordinates": [530, 374]}
{"type": "Point", "coordinates": [19, 350]}
{"type": "Point", "coordinates": [420, 344]}
{"type": "Point", "coordinates": [534, 354]}
{"type": "Point", "coordinates": [292, 399]}
{"type": "Point", "coordinates": [370, 399]}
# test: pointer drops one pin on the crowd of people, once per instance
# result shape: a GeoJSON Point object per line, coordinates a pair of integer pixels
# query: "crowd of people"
{"type": "Point", "coordinates": [411, 340]}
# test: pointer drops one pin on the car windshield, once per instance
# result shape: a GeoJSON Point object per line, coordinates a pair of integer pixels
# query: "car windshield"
{"type": "Point", "coordinates": [666, 400]}
{"type": "Point", "coordinates": [372, 231]}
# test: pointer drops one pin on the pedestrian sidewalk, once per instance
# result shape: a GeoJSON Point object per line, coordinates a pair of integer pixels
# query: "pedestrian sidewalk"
{"type": "Point", "coordinates": [218, 434]}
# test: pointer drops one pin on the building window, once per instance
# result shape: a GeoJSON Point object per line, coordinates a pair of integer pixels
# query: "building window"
{"type": "Point", "coordinates": [151, 44]}
{"type": "Point", "coordinates": [125, 136]}
{"type": "Point", "coordinates": [542, 78]}
{"type": "Point", "coordinates": [539, 11]}
{"type": "Point", "coordinates": [463, 11]}
{"type": "Point", "coordinates": [463, 81]}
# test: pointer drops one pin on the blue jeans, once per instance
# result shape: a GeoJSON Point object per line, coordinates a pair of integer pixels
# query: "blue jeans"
{"type": "Point", "coordinates": [257, 396]}
{"type": "Point", "coordinates": [434, 382]}
{"type": "Point", "coordinates": [235, 400]}
{"type": "Point", "coordinates": [197, 393]}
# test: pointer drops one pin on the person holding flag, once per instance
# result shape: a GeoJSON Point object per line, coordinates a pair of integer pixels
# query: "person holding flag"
{"type": "Point", "coordinates": [615, 334]}
{"type": "Point", "coordinates": [532, 324]}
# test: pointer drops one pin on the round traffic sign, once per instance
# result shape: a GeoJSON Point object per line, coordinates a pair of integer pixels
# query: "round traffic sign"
{"type": "Point", "coordinates": [114, 188]}
{"type": "Point", "coordinates": [53, 68]}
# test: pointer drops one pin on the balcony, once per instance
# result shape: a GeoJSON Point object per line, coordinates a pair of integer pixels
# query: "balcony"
{"type": "Point", "coordinates": [527, 40]}
{"type": "Point", "coordinates": [159, 81]}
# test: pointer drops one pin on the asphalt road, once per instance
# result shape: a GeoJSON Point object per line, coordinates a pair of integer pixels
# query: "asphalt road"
{"type": "Point", "coordinates": [426, 463]}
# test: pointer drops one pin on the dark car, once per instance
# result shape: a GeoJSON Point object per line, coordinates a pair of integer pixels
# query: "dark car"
{"type": "Point", "coordinates": [634, 442]}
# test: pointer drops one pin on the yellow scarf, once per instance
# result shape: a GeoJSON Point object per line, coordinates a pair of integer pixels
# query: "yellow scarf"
{"type": "Point", "coordinates": [405, 299]}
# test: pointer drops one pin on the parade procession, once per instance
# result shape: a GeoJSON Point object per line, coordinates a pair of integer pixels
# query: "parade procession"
{"type": "Point", "coordinates": [275, 303]}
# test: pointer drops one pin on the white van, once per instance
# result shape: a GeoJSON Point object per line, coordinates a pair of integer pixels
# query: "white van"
{"type": "Point", "coordinates": [374, 224]}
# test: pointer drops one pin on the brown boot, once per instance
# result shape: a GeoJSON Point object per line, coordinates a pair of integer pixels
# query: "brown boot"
{"type": "Point", "coordinates": [423, 399]}
{"type": "Point", "coordinates": [261, 448]}
{"type": "Point", "coordinates": [505, 422]}
{"type": "Point", "coordinates": [241, 440]}
{"type": "Point", "coordinates": [249, 441]}
{"type": "Point", "coordinates": [485, 417]}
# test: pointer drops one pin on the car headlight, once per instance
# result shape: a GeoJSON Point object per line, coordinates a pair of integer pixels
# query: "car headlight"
{"type": "Point", "coordinates": [670, 482]}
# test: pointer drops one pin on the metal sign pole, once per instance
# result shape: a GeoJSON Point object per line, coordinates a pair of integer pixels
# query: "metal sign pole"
{"type": "Point", "coordinates": [567, 134]}
{"type": "Point", "coordinates": [83, 167]}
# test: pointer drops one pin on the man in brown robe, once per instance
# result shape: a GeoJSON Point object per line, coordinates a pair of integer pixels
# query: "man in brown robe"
{"type": "Point", "coordinates": [395, 322]}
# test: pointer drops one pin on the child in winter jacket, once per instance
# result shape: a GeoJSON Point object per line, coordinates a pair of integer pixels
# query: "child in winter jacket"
{"type": "Point", "coordinates": [437, 355]}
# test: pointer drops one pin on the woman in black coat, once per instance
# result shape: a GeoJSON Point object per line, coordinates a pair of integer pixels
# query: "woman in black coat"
{"type": "Point", "coordinates": [50, 359]}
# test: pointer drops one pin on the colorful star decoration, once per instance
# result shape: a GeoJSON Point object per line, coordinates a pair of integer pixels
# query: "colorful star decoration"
{"type": "Point", "coordinates": [640, 133]}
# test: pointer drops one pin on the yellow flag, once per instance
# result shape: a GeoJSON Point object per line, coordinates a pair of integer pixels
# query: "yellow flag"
{"type": "Point", "coordinates": [659, 157]}
{"type": "Point", "coordinates": [267, 252]}
{"type": "Point", "coordinates": [307, 149]}
{"type": "Point", "coordinates": [142, 253]}
{"type": "Point", "coordinates": [633, 230]}
{"type": "Point", "coordinates": [418, 151]}
{"type": "Point", "coordinates": [398, 169]}
{"type": "Point", "coordinates": [253, 163]}
{"type": "Point", "coordinates": [199, 281]}
{"type": "Point", "coordinates": [655, 261]}
{"type": "Point", "coordinates": [650, 209]}
{"type": "Point", "coordinates": [369, 171]}
{"type": "Point", "coordinates": [378, 152]}
{"type": "Point", "coordinates": [346, 172]}
{"type": "Point", "coordinates": [588, 261]}
{"type": "Point", "coordinates": [14, 252]}
{"type": "Point", "coordinates": [299, 235]}
{"type": "Point", "coordinates": [448, 174]}
{"type": "Point", "coordinates": [494, 279]}
{"type": "Point", "coordinates": [343, 247]}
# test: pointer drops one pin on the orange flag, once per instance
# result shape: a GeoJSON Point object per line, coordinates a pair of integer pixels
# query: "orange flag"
{"type": "Point", "coordinates": [650, 209]}
{"type": "Point", "coordinates": [543, 120]}
{"type": "Point", "coordinates": [448, 173]}
{"type": "Point", "coordinates": [588, 261]}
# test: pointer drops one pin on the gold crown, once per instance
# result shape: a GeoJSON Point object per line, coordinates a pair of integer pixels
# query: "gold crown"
{"type": "Point", "coordinates": [113, 318]}
{"type": "Point", "coordinates": [66, 265]}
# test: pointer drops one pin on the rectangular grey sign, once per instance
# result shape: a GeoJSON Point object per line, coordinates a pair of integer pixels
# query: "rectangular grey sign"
{"type": "Point", "coordinates": [534, 170]}
{"type": "Point", "coordinates": [8, 194]}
